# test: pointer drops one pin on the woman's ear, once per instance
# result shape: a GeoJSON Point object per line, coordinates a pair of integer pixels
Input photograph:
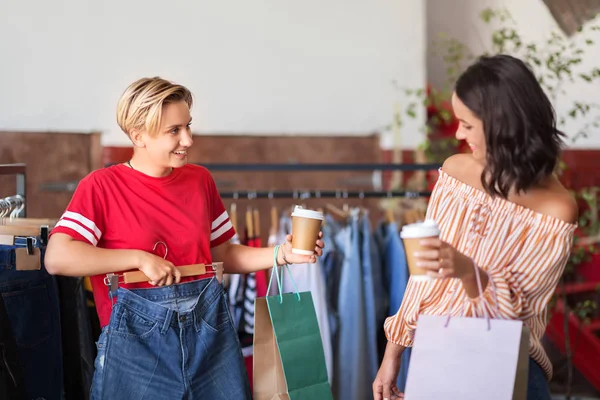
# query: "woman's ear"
{"type": "Point", "coordinates": [137, 137]}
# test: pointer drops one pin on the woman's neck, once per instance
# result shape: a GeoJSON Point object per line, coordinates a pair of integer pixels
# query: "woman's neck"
{"type": "Point", "coordinates": [142, 164]}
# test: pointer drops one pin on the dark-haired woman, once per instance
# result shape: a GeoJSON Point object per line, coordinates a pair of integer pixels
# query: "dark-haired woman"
{"type": "Point", "coordinates": [502, 214]}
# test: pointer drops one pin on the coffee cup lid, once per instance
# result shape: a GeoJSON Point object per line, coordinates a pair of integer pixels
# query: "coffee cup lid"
{"type": "Point", "coordinates": [427, 228]}
{"type": "Point", "coordinates": [306, 213]}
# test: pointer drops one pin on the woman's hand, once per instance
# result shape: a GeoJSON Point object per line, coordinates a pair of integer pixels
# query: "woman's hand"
{"type": "Point", "coordinates": [442, 260]}
{"type": "Point", "coordinates": [160, 271]}
{"type": "Point", "coordinates": [285, 255]}
{"type": "Point", "coordinates": [384, 386]}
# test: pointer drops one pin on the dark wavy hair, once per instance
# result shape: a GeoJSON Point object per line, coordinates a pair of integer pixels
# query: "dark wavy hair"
{"type": "Point", "coordinates": [519, 123]}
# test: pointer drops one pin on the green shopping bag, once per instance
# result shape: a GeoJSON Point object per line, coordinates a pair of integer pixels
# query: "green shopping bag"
{"type": "Point", "coordinates": [289, 362]}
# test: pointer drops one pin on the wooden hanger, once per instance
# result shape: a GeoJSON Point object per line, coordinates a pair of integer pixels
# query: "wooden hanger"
{"type": "Point", "coordinates": [338, 214]}
{"type": "Point", "coordinates": [274, 221]}
{"type": "Point", "coordinates": [233, 215]}
{"type": "Point", "coordinates": [249, 223]}
{"type": "Point", "coordinates": [185, 270]}
{"type": "Point", "coordinates": [29, 221]}
{"type": "Point", "coordinates": [20, 230]}
{"type": "Point", "coordinates": [256, 222]}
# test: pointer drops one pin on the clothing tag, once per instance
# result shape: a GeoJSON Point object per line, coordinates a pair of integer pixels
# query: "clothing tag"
{"type": "Point", "coordinates": [113, 282]}
{"type": "Point", "coordinates": [29, 246]}
{"type": "Point", "coordinates": [28, 262]}
{"type": "Point", "coordinates": [219, 272]}
{"type": "Point", "coordinates": [7, 240]}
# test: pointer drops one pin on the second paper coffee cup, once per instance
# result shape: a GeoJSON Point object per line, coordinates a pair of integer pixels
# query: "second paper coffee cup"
{"type": "Point", "coordinates": [411, 236]}
{"type": "Point", "coordinates": [306, 225]}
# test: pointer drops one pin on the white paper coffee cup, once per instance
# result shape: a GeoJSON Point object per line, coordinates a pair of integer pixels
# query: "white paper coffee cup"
{"type": "Point", "coordinates": [306, 225]}
{"type": "Point", "coordinates": [411, 236]}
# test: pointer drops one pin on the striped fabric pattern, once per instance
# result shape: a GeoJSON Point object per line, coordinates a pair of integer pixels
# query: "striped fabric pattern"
{"type": "Point", "coordinates": [221, 225]}
{"type": "Point", "coordinates": [82, 225]}
{"type": "Point", "coordinates": [523, 252]}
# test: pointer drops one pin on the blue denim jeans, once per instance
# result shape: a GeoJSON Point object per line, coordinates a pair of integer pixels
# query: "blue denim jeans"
{"type": "Point", "coordinates": [170, 342]}
{"type": "Point", "coordinates": [537, 385]}
{"type": "Point", "coordinates": [32, 305]}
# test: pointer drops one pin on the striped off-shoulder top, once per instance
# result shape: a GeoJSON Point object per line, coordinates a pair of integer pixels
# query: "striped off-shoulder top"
{"type": "Point", "coordinates": [523, 252]}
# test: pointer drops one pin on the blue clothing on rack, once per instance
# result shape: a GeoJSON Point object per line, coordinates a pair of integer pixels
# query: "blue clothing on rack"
{"type": "Point", "coordinates": [375, 299]}
{"type": "Point", "coordinates": [396, 272]}
{"type": "Point", "coordinates": [352, 378]}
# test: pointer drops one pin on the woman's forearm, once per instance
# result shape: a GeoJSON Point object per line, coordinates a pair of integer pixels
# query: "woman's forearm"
{"type": "Point", "coordinates": [68, 257]}
{"type": "Point", "coordinates": [239, 259]}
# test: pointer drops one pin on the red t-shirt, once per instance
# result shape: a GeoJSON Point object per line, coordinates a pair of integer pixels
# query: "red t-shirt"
{"type": "Point", "coordinates": [120, 208]}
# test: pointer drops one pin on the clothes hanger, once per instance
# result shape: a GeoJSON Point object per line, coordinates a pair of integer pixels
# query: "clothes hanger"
{"type": "Point", "coordinates": [256, 222]}
{"type": "Point", "coordinates": [274, 221]}
{"type": "Point", "coordinates": [233, 215]}
{"type": "Point", "coordinates": [249, 223]}
{"type": "Point", "coordinates": [27, 254]}
{"type": "Point", "coordinates": [112, 279]}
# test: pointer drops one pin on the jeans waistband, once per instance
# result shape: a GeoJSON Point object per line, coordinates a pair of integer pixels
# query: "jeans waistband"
{"type": "Point", "coordinates": [143, 301]}
{"type": "Point", "coordinates": [8, 257]}
{"type": "Point", "coordinates": [23, 241]}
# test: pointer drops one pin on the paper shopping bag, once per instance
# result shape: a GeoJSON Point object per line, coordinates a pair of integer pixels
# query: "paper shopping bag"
{"type": "Point", "coordinates": [289, 362]}
{"type": "Point", "coordinates": [468, 359]}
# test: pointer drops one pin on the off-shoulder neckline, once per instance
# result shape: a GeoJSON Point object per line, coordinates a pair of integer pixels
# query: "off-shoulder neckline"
{"type": "Point", "coordinates": [483, 197]}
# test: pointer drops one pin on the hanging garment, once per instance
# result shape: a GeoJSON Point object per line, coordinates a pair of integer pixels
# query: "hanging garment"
{"type": "Point", "coordinates": [12, 385]}
{"type": "Point", "coordinates": [352, 378]}
{"type": "Point", "coordinates": [331, 262]}
{"type": "Point", "coordinates": [171, 342]}
{"type": "Point", "coordinates": [396, 275]}
{"type": "Point", "coordinates": [242, 288]}
{"type": "Point", "coordinates": [375, 300]}
{"type": "Point", "coordinates": [308, 278]}
{"type": "Point", "coordinates": [32, 306]}
{"type": "Point", "coordinates": [77, 337]}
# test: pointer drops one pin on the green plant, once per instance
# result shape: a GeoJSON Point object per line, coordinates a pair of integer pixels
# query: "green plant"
{"type": "Point", "coordinates": [556, 62]}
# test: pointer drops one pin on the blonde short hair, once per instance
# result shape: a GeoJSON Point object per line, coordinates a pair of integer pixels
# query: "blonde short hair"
{"type": "Point", "coordinates": [140, 106]}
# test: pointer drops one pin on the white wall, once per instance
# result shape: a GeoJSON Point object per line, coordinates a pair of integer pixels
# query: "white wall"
{"type": "Point", "coordinates": [263, 67]}
{"type": "Point", "coordinates": [459, 18]}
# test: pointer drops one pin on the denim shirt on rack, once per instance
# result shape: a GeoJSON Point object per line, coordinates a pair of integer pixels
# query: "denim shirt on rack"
{"type": "Point", "coordinates": [352, 379]}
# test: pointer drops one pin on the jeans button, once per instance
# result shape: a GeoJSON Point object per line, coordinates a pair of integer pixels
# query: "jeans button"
{"type": "Point", "coordinates": [182, 318]}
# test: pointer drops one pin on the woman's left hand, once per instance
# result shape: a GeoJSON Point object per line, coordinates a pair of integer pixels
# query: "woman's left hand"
{"type": "Point", "coordinates": [287, 257]}
{"type": "Point", "coordinates": [442, 260]}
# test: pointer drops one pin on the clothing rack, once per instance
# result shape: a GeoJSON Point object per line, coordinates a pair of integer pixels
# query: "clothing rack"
{"type": "Point", "coordinates": [19, 170]}
{"type": "Point", "coordinates": [308, 194]}
{"type": "Point", "coordinates": [294, 167]}
{"type": "Point", "coordinates": [320, 194]}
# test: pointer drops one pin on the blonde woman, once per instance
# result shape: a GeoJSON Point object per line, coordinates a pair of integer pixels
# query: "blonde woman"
{"type": "Point", "coordinates": [172, 337]}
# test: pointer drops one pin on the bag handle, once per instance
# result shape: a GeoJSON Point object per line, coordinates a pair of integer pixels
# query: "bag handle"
{"type": "Point", "coordinates": [276, 272]}
{"type": "Point", "coordinates": [480, 290]}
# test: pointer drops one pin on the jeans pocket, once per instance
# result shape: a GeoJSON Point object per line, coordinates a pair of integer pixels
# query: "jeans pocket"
{"type": "Point", "coordinates": [29, 315]}
{"type": "Point", "coordinates": [130, 324]}
{"type": "Point", "coordinates": [215, 315]}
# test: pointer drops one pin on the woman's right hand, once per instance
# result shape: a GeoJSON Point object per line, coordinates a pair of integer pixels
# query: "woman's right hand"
{"type": "Point", "coordinates": [160, 271]}
{"type": "Point", "coordinates": [384, 387]}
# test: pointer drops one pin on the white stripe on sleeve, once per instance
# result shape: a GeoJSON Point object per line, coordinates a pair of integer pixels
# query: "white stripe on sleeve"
{"type": "Point", "coordinates": [219, 220]}
{"type": "Point", "coordinates": [219, 232]}
{"type": "Point", "coordinates": [88, 223]}
{"type": "Point", "coordinates": [79, 229]}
